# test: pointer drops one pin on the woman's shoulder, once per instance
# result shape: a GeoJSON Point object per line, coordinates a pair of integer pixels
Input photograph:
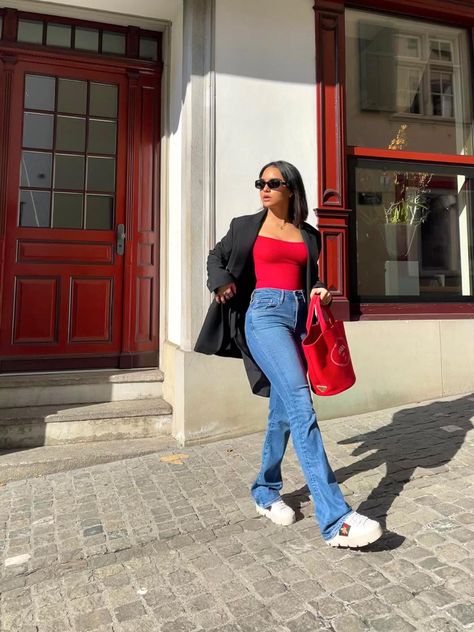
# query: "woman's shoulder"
{"type": "Point", "coordinates": [245, 220]}
{"type": "Point", "coordinates": [311, 230]}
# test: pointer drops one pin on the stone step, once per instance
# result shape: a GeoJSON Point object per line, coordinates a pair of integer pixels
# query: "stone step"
{"type": "Point", "coordinates": [79, 387]}
{"type": "Point", "coordinates": [32, 426]}
{"type": "Point", "coordinates": [33, 462]}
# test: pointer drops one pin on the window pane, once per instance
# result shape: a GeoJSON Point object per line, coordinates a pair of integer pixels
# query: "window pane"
{"type": "Point", "coordinates": [39, 92]}
{"type": "Point", "coordinates": [58, 35]}
{"type": "Point", "coordinates": [72, 96]}
{"type": "Point", "coordinates": [103, 100]}
{"type": "Point", "coordinates": [113, 43]}
{"type": "Point", "coordinates": [67, 210]}
{"type": "Point", "coordinates": [70, 133]}
{"type": "Point", "coordinates": [413, 231]}
{"type": "Point", "coordinates": [36, 169]}
{"type": "Point", "coordinates": [30, 31]}
{"type": "Point", "coordinates": [100, 212]}
{"type": "Point", "coordinates": [101, 174]}
{"type": "Point", "coordinates": [87, 39]}
{"type": "Point", "coordinates": [102, 136]}
{"type": "Point", "coordinates": [69, 172]}
{"type": "Point", "coordinates": [35, 208]}
{"type": "Point", "coordinates": [412, 74]}
{"type": "Point", "coordinates": [38, 131]}
{"type": "Point", "coordinates": [148, 48]}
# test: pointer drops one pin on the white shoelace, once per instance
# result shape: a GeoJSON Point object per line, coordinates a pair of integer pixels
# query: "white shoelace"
{"type": "Point", "coordinates": [356, 519]}
{"type": "Point", "coordinates": [279, 505]}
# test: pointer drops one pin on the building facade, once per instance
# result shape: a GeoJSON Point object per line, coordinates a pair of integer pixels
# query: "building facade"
{"type": "Point", "coordinates": [132, 134]}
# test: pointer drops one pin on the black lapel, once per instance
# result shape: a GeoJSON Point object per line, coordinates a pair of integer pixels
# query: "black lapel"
{"type": "Point", "coordinates": [245, 239]}
{"type": "Point", "coordinates": [313, 254]}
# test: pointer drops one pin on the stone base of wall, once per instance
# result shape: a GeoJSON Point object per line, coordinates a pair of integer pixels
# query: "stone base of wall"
{"type": "Point", "coordinates": [396, 363]}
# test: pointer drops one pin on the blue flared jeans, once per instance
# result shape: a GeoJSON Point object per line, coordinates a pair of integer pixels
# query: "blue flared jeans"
{"type": "Point", "coordinates": [275, 324]}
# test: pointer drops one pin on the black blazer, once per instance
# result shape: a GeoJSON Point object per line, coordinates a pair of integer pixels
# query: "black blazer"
{"type": "Point", "coordinates": [231, 261]}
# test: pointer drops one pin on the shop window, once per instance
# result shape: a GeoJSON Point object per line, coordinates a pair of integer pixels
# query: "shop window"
{"type": "Point", "coordinates": [409, 122]}
{"type": "Point", "coordinates": [413, 230]}
{"type": "Point", "coordinates": [401, 70]}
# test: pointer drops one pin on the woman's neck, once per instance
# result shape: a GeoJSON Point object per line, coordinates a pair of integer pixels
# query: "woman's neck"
{"type": "Point", "coordinates": [278, 215]}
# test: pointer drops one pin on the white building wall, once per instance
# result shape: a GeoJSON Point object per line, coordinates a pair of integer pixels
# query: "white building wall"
{"type": "Point", "coordinates": [265, 98]}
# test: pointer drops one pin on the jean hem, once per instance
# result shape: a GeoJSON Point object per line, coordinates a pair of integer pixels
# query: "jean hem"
{"type": "Point", "coordinates": [339, 524]}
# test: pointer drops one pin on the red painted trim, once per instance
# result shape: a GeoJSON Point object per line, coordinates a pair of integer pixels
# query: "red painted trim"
{"type": "Point", "coordinates": [64, 57]}
{"type": "Point", "coordinates": [330, 80]}
{"type": "Point", "coordinates": [412, 311]}
{"type": "Point", "coordinates": [413, 156]}
{"type": "Point", "coordinates": [452, 11]}
{"type": "Point", "coordinates": [10, 25]}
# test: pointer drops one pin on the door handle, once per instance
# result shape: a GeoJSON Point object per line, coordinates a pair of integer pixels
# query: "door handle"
{"type": "Point", "coordinates": [120, 239]}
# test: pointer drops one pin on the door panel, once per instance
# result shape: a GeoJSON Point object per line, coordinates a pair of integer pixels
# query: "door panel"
{"type": "Point", "coordinates": [38, 297]}
{"type": "Point", "coordinates": [63, 278]}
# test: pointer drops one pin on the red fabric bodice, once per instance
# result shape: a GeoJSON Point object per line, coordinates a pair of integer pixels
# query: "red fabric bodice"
{"type": "Point", "coordinates": [279, 264]}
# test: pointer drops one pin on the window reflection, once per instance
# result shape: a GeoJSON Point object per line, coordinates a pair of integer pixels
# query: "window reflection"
{"type": "Point", "coordinates": [71, 151]}
{"type": "Point", "coordinates": [101, 174]}
{"type": "Point", "coordinates": [103, 100]}
{"type": "Point", "coordinates": [34, 209]}
{"type": "Point", "coordinates": [410, 224]}
{"type": "Point", "coordinates": [113, 43]}
{"type": "Point", "coordinates": [36, 169]}
{"type": "Point", "coordinates": [70, 133]}
{"type": "Point", "coordinates": [404, 71]}
{"type": "Point", "coordinates": [102, 137]}
{"type": "Point", "coordinates": [58, 35]}
{"type": "Point", "coordinates": [99, 212]}
{"type": "Point", "coordinates": [39, 92]}
{"type": "Point", "coordinates": [69, 172]}
{"type": "Point", "coordinates": [72, 96]}
{"type": "Point", "coordinates": [38, 131]}
{"type": "Point", "coordinates": [67, 210]}
{"type": "Point", "coordinates": [87, 39]}
{"type": "Point", "coordinates": [30, 31]}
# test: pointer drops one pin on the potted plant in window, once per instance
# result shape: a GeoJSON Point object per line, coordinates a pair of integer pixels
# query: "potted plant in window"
{"type": "Point", "coordinates": [408, 210]}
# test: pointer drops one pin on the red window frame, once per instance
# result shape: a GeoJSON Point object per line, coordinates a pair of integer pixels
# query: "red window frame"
{"type": "Point", "coordinates": [332, 211]}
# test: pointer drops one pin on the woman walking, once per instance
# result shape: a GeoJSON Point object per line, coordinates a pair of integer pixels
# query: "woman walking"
{"type": "Point", "coordinates": [263, 273]}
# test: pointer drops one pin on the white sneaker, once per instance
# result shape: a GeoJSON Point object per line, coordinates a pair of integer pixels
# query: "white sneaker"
{"type": "Point", "coordinates": [357, 530]}
{"type": "Point", "coordinates": [278, 512]}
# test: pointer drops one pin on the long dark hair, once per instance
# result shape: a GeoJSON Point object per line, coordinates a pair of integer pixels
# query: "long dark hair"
{"type": "Point", "coordinates": [298, 209]}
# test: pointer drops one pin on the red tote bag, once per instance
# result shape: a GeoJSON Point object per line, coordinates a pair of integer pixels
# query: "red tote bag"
{"type": "Point", "coordinates": [326, 351]}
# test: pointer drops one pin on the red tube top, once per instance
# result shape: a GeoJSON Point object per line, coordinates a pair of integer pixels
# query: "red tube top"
{"type": "Point", "coordinates": [279, 264]}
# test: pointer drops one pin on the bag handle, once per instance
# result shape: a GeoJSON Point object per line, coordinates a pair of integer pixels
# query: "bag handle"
{"type": "Point", "coordinates": [316, 309]}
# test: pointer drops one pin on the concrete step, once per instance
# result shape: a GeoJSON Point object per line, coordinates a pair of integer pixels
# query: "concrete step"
{"type": "Point", "coordinates": [32, 462]}
{"type": "Point", "coordinates": [79, 387]}
{"type": "Point", "coordinates": [31, 426]}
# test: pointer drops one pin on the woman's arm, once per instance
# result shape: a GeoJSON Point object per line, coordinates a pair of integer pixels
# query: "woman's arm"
{"type": "Point", "coordinates": [218, 277]}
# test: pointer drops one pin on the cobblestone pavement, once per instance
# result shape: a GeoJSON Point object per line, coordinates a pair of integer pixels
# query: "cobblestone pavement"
{"type": "Point", "coordinates": [175, 545]}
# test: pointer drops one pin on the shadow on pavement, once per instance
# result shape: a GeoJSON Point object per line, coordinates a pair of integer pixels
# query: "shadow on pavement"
{"type": "Point", "coordinates": [425, 437]}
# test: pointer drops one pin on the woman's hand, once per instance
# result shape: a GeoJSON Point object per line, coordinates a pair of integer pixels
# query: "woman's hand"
{"type": "Point", "coordinates": [324, 295]}
{"type": "Point", "coordinates": [225, 292]}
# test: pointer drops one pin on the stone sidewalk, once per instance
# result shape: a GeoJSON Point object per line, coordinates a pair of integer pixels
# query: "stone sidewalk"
{"type": "Point", "coordinates": [172, 543]}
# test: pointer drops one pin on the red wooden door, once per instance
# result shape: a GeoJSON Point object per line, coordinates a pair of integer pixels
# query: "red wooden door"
{"type": "Point", "coordinates": [65, 209]}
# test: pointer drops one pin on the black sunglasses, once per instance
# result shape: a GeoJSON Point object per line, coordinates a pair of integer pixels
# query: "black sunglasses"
{"type": "Point", "coordinates": [273, 183]}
